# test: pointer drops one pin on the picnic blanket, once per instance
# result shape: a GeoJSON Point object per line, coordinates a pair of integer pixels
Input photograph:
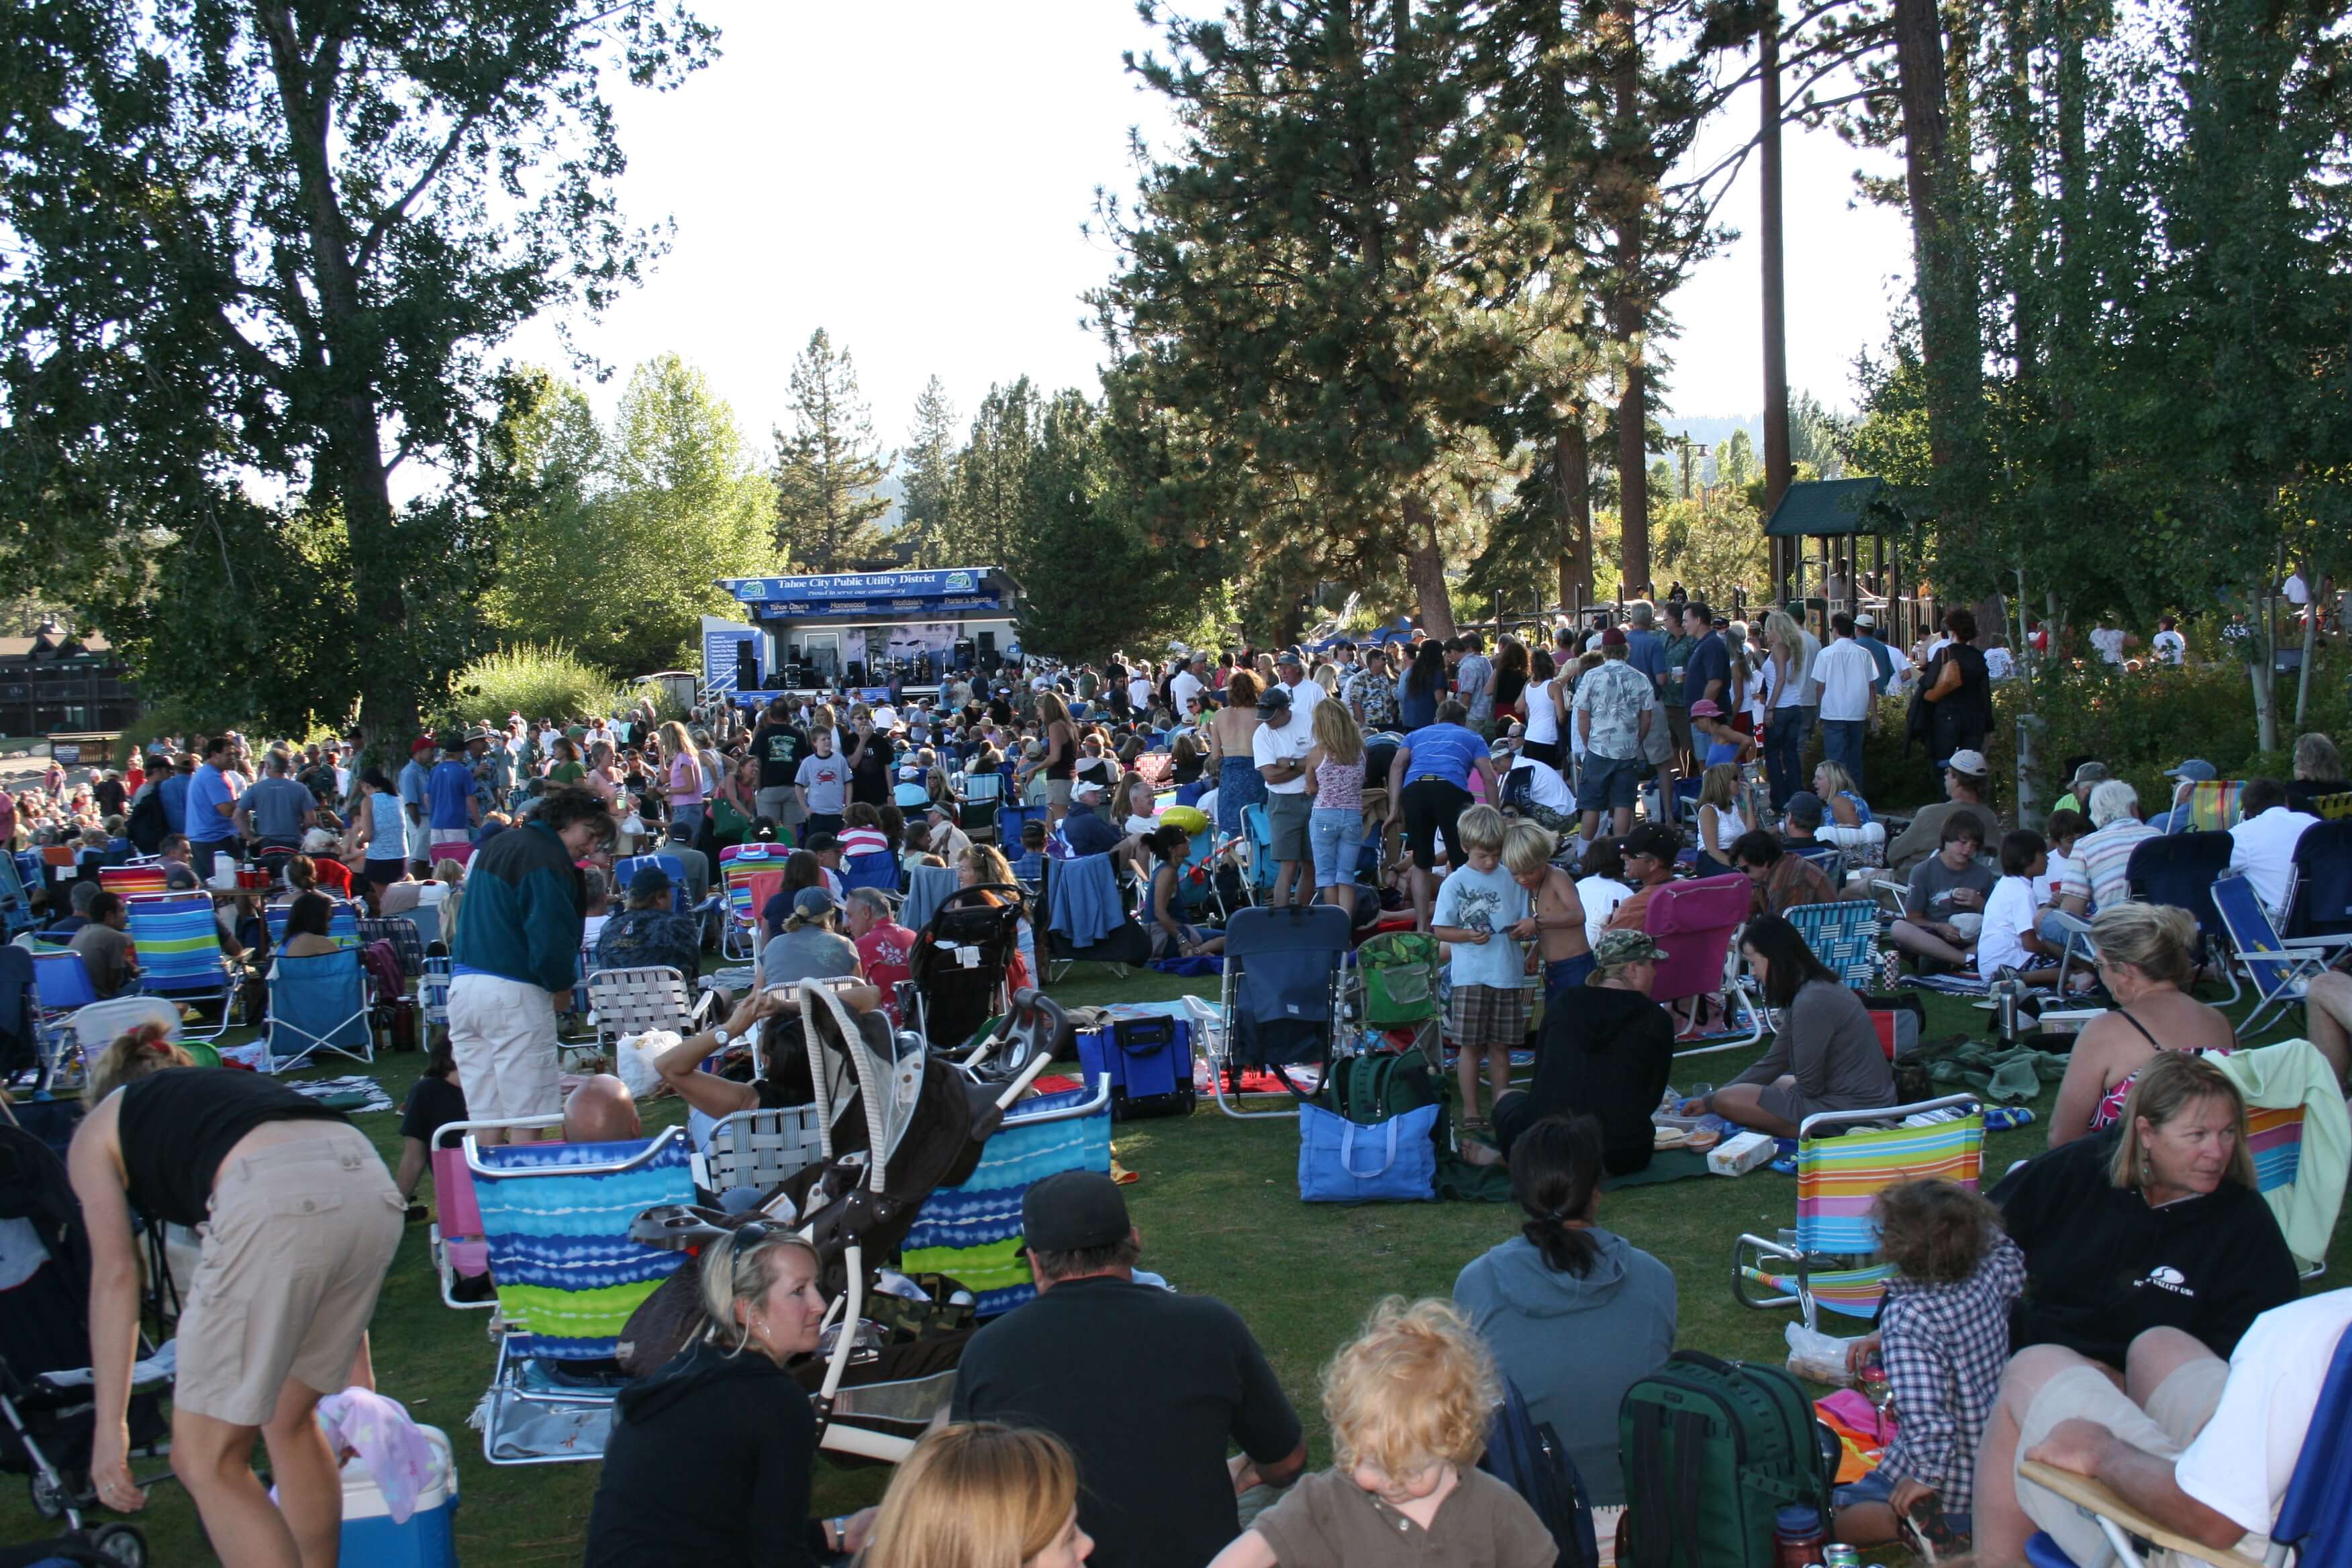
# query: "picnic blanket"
{"type": "Point", "coordinates": [336, 1090]}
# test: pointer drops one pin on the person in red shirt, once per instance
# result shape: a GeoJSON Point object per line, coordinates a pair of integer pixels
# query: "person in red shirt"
{"type": "Point", "coordinates": [885, 948]}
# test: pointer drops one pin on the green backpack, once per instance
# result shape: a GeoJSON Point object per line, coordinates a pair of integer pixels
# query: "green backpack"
{"type": "Point", "coordinates": [1369, 1090]}
{"type": "Point", "coordinates": [1710, 1449]}
{"type": "Point", "coordinates": [1400, 970]}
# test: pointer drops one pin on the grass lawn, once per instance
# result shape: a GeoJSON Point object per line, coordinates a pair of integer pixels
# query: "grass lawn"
{"type": "Point", "coordinates": [1218, 1208]}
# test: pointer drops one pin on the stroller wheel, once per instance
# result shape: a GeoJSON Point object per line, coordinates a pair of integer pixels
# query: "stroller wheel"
{"type": "Point", "coordinates": [50, 1497]}
{"type": "Point", "coordinates": [121, 1543]}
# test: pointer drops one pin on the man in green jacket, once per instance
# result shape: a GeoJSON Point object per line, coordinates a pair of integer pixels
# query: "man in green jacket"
{"type": "Point", "coordinates": [516, 957]}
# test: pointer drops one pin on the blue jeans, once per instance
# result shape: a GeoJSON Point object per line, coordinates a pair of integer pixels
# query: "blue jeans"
{"type": "Point", "coordinates": [1334, 835]}
{"type": "Point", "coordinates": [690, 817]}
{"type": "Point", "coordinates": [1842, 740]}
{"type": "Point", "coordinates": [1564, 974]}
{"type": "Point", "coordinates": [1879, 1487]}
{"type": "Point", "coordinates": [1784, 754]}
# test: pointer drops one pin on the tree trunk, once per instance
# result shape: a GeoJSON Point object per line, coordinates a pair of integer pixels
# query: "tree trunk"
{"type": "Point", "coordinates": [1630, 313]}
{"type": "Point", "coordinates": [1426, 568]}
{"type": "Point", "coordinates": [1779, 469]}
{"type": "Point", "coordinates": [2310, 640]}
{"type": "Point", "coordinates": [1945, 279]}
{"type": "Point", "coordinates": [1572, 492]}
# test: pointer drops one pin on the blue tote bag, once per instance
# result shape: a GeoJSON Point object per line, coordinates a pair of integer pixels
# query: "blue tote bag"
{"type": "Point", "coordinates": [1390, 1162]}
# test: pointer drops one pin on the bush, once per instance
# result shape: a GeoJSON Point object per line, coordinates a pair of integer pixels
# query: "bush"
{"type": "Point", "coordinates": [667, 706]}
{"type": "Point", "coordinates": [536, 681]}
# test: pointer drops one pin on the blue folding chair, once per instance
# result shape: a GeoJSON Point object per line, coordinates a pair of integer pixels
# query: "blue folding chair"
{"type": "Point", "coordinates": [878, 868]}
{"type": "Point", "coordinates": [318, 1004]}
{"type": "Point", "coordinates": [2323, 882]}
{"type": "Point", "coordinates": [1284, 998]}
{"type": "Point", "coordinates": [671, 867]}
{"type": "Point", "coordinates": [1845, 937]}
{"type": "Point", "coordinates": [2280, 968]}
{"type": "Point", "coordinates": [2179, 869]}
{"type": "Point", "coordinates": [2315, 1516]}
{"type": "Point", "coordinates": [61, 986]}
{"type": "Point", "coordinates": [180, 955]}
{"type": "Point", "coordinates": [342, 925]}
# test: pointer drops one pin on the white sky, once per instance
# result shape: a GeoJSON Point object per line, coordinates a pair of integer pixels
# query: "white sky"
{"type": "Point", "coordinates": [912, 175]}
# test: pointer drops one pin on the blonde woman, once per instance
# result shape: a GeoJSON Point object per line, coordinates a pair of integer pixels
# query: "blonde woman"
{"type": "Point", "coordinates": [682, 776]}
{"type": "Point", "coordinates": [1784, 735]}
{"type": "Point", "coordinates": [980, 1495]}
{"type": "Point", "coordinates": [709, 1455]}
{"type": "Point", "coordinates": [1057, 758]}
{"type": "Point", "coordinates": [1719, 821]}
{"type": "Point", "coordinates": [2148, 957]}
{"type": "Point", "coordinates": [1334, 828]}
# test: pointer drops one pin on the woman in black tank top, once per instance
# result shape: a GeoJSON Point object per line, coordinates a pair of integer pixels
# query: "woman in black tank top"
{"type": "Point", "coordinates": [299, 1221]}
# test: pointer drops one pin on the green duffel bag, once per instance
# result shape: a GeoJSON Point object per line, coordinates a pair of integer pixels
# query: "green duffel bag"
{"type": "Point", "coordinates": [1369, 1090]}
{"type": "Point", "coordinates": [1710, 1449]}
{"type": "Point", "coordinates": [1400, 973]}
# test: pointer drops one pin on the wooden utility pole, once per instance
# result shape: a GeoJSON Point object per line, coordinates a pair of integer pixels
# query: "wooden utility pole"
{"type": "Point", "coordinates": [1779, 469]}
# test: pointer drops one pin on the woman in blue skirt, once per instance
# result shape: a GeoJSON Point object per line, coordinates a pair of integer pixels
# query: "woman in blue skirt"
{"type": "Point", "coordinates": [1239, 783]}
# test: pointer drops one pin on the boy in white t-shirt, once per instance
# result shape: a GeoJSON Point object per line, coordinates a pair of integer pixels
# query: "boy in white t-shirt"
{"type": "Point", "coordinates": [1493, 996]}
{"type": "Point", "coordinates": [2008, 939]}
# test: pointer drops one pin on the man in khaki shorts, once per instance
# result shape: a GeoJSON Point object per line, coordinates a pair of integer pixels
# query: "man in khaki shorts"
{"type": "Point", "coordinates": [515, 954]}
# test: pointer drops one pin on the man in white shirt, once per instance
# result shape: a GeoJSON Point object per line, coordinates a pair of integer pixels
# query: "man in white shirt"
{"type": "Point", "coordinates": [1139, 692]}
{"type": "Point", "coordinates": [2265, 840]}
{"type": "Point", "coordinates": [1279, 749]}
{"type": "Point", "coordinates": [1844, 672]}
{"type": "Point", "coordinates": [1290, 671]}
{"type": "Point", "coordinates": [2207, 1449]}
{"type": "Point", "coordinates": [1187, 684]}
{"type": "Point", "coordinates": [2169, 646]}
{"type": "Point", "coordinates": [2108, 639]}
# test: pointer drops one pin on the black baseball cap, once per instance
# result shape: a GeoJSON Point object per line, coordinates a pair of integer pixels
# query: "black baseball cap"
{"type": "Point", "coordinates": [1072, 1211]}
{"type": "Point", "coordinates": [1652, 839]}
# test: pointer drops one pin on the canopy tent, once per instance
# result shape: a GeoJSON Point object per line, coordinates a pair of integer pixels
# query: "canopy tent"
{"type": "Point", "coordinates": [1827, 509]}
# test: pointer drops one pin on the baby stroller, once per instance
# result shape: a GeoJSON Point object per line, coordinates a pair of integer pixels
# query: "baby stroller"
{"type": "Point", "coordinates": [962, 965]}
{"type": "Point", "coordinates": [45, 1407]}
{"type": "Point", "coordinates": [890, 1129]}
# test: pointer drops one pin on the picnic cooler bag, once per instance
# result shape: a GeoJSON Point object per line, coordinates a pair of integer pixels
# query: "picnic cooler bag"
{"type": "Point", "coordinates": [1399, 974]}
{"type": "Point", "coordinates": [1711, 1449]}
{"type": "Point", "coordinates": [1149, 1060]}
{"type": "Point", "coordinates": [1376, 1140]}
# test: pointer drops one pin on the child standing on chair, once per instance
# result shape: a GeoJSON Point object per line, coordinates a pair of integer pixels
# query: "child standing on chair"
{"type": "Point", "coordinates": [1408, 1404]}
{"type": "Point", "coordinates": [1556, 924]}
{"type": "Point", "coordinates": [1477, 905]}
{"type": "Point", "coordinates": [1943, 1334]}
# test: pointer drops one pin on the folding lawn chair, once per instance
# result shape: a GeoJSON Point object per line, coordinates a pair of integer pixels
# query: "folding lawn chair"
{"type": "Point", "coordinates": [2315, 1516]}
{"type": "Point", "coordinates": [342, 925]}
{"type": "Point", "coordinates": [1826, 859]}
{"type": "Point", "coordinates": [433, 991]}
{"type": "Point", "coordinates": [1830, 1260]}
{"type": "Point", "coordinates": [402, 936]}
{"type": "Point", "coordinates": [125, 881]}
{"type": "Point", "coordinates": [681, 890]}
{"type": "Point", "coordinates": [2214, 806]}
{"type": "Point", "coordinates": [2279, 968]}
{"type": "Point", "coordinates": [2179, 869]}
{"type": "Point", "coordinates": [972, 1232]}
{"type": "Point", "coordinates": [2322, 902]}
{"type": "Point", "coordinates": [454, 1240]}
{"type": "Point", "coordinates": [1845, 937]}
{"type": "Point", "coordinates": [1284, 999]}
{"type": "Point", "coordinates": [180, 956]}
{"type": "Point", "coordinates": [2301, 1139]}
{"type": "Point", "coordinates": [555, 1222]}
{"type": "Point", "coordinates": [983, 802]}
{"type": "Point", "coordinates": [318, 1004]}
{"type": "Point", "coordinates": [627, 1001]}
{"type": "Point", "coordinates": [878, 869]}
{"type": "Point", "coordinates": [1261, 866]}
{"type": "Point", "coordinates": [747, 883]}
{"type": "Point", "coordinates": [1073, 934]}
{"type": "Point", "coordinates": [1695, 922]}
{"type": "Point", "coordinates": [61, 989]}
{"type": "Point", "coordinates": [2332, 808]}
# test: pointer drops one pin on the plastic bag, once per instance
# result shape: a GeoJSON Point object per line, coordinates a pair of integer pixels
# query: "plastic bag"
{"type": "Point", "coordinates": [634, 1057]}
{"type": "Point", "coordinates": [1820, 1358]}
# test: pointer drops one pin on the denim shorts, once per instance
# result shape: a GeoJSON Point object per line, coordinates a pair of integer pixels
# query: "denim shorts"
{"type": "Point", "coordinates": [1879, 1487]}
{"type": "Point", "coordinates": [1335, 835]}
{"type": "Point", "coordinates": [1609, 783]}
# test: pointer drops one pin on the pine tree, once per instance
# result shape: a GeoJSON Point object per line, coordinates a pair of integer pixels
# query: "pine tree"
{"type": "Point", "coordinates": [828, 514]}
{"type": "Point", "coordinates": [984, 511]}
{"type": "Point", "coordinates": [928, 470]}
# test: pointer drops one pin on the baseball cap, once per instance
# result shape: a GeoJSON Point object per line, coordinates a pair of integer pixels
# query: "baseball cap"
{"type": "Point", "coordinates": [812, 901]}
{"type": "Point", "coordinates": [1969, 764]}
{"type": "Point", "coordinates": [650, 880]}
{"type": "Point", "coordinates": [1072, 1211]}
{"type": "Point", "coordinates": [422, 743]}
{"type": "Point", "coordinates": [1865, 619]}
{"type": "Point", "coordinates": [1706, 708]}
{"type": "Point", "coordinates": [1805, 809]}
{"type": "Point", "coordinates": [1273, 697]}
{"type": "Point", "coordinates": [2088, 774]}
{"type": "Point", "coordinates": [821, 841]}
{"type": "Point", "coordinates": [1621, 947]}
{"type": "Point", "coordinates": [1612, 637]}
{"type": "Point", "coordinates": [1652, 839]}
{"type": "Point", "coordinates": [1084, 788]}
{"type": "Point", "coordinates": [2196, 770]}
{"type": "Point", "coordinates": [1286, 657]}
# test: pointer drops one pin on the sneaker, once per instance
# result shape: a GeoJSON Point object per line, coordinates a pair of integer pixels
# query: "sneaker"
{"type": "Point", "coordinates": [417, 1213]}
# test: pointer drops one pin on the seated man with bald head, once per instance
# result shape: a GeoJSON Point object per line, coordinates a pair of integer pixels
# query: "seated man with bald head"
{"type": "Point", "coordinates": [602, 1110]}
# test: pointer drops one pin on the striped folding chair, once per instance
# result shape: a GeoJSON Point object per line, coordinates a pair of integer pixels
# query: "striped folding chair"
{"type": "Point", "coordinates": [342, 925]}
{"type": "Point", "coordinates": [1832, 1260]}
{"type": "Point", "coordinates": [972, 1232]}
{"type": "Point", "coordinates": [408, 943]}
{"type": "Point", "coordinates": [433, 991]}
{"type": "Point", "coordinates": [180, 955]}
{"type": "Point", "coordinates": [750, 882]}
{"type": "Point", "coordinates": [129, 881]}
{"type": "Point", "coordinates": [555, 1223]}
{"type": "Point", "coordinates": [2213, 804]}
{"type": "Point", "coordinates": [2300, 1135]}
{"type": "Point", "coordinates": [634, 1001]}
{"type": "Point", "coordinates": [318, 1004]}
{"type": "Point", "coordinates": [1845, 937]}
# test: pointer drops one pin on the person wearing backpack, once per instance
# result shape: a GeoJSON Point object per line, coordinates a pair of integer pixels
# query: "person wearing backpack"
{"type": "Point", "coordinates": [1574, 1314]}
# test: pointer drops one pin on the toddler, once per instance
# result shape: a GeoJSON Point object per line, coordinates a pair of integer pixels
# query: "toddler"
{"type": "Point", "coordinates": [1408, 1404]}
{"type": "Point", "coordinates": [1477, 906]}
{"type": "Point", "coordinates": [1943, 1334]}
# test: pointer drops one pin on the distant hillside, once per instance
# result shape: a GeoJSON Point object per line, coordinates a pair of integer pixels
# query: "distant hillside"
{"type": "Point", "coordinates": [1710, 430]}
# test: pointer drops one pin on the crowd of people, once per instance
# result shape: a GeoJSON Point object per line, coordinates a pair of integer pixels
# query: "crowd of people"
{"type": "Point", "coordinates": [2124, 1305]}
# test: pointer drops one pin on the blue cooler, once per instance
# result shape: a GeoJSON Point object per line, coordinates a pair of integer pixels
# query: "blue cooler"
{"type": "Point", "coordinates": [428, 1539]}
{"type": "Point", "coordinates": [1150, 1059]}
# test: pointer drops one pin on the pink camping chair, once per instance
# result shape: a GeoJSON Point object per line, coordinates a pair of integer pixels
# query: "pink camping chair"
{"type": "Point", "coordinates": [458, 1248]}
{"type": "Point", "coordinates": [1695, 922]}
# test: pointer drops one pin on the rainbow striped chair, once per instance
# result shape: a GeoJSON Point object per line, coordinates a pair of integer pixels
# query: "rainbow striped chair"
{"type": "Point", "coordinates": [2214, 806]}
{"type": "Point", "coordinates": [972, 1232]}
{"type": "Point", "coordinates": [2301, 1138]}
{"type": "Point", "coordinates": [180, 956]}
{"type": "Point", "coordinates": [555, 1220]}
{"type": "Point", "coordinates": [748, 882]}
{"type": "Point", "coordinates": [134, 882]}
{"type": "Point", "coordinates": [1830, 1260]}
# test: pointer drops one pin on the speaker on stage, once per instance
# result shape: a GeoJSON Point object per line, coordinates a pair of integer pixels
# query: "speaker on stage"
{"type": "Point", "coordinates": [795, 678]}
{"type": "Point", "coordinates": [988, 651]}
{"type": "Point", "coordinates": [962, 655]}
{"type": "Point", "coordinates": [855, 675]}
{"type": "Point", "coordinates": [747, 664]}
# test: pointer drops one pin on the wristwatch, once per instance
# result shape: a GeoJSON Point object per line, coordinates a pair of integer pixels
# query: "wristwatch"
{"type": "Point", "coordinates": [720, 1036]}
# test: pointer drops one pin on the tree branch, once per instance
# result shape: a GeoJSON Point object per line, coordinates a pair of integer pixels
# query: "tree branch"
{"type": "Point", "coordinates": [379, 230]}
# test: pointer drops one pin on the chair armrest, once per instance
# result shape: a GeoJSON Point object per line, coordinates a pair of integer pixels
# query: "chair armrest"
{"type": "Point", "coordinates": [2315, 943]}
{"type": "Point", "coordinates": [2094, 1498]}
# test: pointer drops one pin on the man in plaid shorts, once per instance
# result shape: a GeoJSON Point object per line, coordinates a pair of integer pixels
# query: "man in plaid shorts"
{"type": "Point", "coordinates": [1477, 904]}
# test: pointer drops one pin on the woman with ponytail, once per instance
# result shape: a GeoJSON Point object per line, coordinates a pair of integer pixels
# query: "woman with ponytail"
{"type": "Point", "coordinates": [708, 1460]}
{"type": "Point", "coordinates": [300, 1220]}
{"type": "Point", "coordinates": [1573, 1313]}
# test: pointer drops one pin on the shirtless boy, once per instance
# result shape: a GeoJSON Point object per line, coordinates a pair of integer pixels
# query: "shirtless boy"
{"type": "Point", "coordinates": [1557, 924]}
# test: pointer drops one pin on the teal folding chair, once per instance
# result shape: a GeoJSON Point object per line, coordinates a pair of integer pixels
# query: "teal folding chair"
{"type": "Point", "coordinates": [2280, 968]}
{"type": "Point", "coordinates": [318, 1004]}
